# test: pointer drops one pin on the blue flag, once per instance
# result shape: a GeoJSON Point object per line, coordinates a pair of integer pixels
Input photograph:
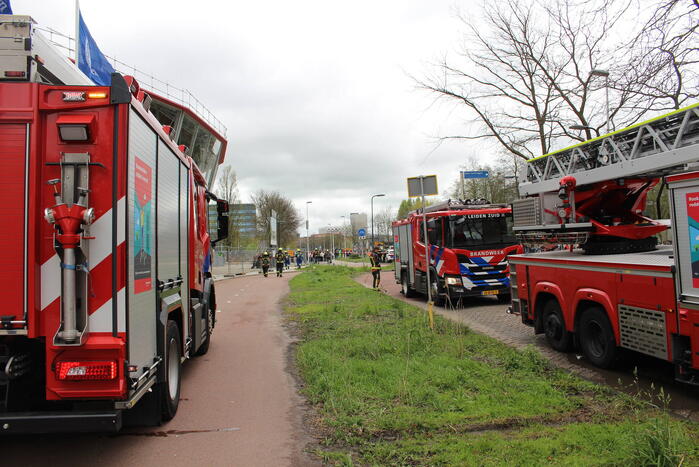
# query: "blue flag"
{"type": "Point", "coordinates": [5, 7]}
{"type": "Point", "coordinates": [91, 60]}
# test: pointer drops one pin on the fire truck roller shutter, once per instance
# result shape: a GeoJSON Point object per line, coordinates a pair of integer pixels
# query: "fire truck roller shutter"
{"type": "Point", "coordinates": [183, 222]}
{"type": "Point", "coordinates": [168, 232]}
{"type": "Point", "coordinates": [13, 162]}
{"type": "Point", "coordinates": [140, 221]}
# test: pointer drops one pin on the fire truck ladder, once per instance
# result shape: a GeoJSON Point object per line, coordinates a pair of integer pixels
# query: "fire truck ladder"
{"type": "Point", "coordinates": [654, 148]}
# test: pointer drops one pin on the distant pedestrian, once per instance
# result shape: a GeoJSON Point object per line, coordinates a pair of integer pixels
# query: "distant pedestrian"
{"type": "Point", "coordinates": [299, 259]}
{"type": "Point", "coordinates": [375, 268]}
{"type": "Point", "coordinates": [280, 262]}
{"type": "Point", "coordinates": [287, 260]}
{"type": "Point", "coordinates": [264, 262]}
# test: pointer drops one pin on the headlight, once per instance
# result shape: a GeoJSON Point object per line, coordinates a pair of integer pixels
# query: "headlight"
{"type": "Point", "coordinates": [453, 280]}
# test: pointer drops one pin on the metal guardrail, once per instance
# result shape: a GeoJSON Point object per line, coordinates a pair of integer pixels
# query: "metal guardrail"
{"type": "Point", "coordinates": [162, 88]}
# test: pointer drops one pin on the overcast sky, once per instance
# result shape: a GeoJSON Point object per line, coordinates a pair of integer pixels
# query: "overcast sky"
{"type": "Point", "coordinates": [315, 94]}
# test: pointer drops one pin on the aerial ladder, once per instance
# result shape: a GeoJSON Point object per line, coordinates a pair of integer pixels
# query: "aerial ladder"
{"type": "Point", "coordinates": [594, 194]}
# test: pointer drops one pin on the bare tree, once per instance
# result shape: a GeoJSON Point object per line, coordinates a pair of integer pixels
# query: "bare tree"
{"type": "Point", "coordinates": [227, 188]}
{"type": "Point", "coordinates": [383, 220]}
{"type": "Point", "coordinates": [527, 70]}
{"type": "Point", "coordinates": [288, 219]}
{"type": "Point", "coordinates": [666, 53]}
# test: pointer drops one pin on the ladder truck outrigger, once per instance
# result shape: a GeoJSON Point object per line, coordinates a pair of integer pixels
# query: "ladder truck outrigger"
{"type": "Point", "coordinates": [469, 243]}
{"type": "Point", "coordinates": [613, 287]}
{"type": "Point", "coordinates": [106, 242]}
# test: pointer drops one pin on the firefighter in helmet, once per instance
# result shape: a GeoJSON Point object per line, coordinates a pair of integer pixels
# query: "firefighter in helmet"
{"type": "Point", "coordinates": [375, 268]}
{"type": "Point", "coordinates": [279, 257]}
{"type": "Point", "coordinates": [264, 262]}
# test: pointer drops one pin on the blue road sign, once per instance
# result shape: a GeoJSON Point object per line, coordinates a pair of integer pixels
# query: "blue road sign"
{"type": "Point", "coordinates": [475, 173]}
{"type": "Point", "coordinates": [361, 232]}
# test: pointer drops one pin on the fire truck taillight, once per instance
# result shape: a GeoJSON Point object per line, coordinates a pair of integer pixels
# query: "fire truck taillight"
{"type": "Point", "coordinates": [15, 74]}
{"type": "Point", "coordinates": [86, 371]}
{"type": "Point", "coordinates": [96, 95]}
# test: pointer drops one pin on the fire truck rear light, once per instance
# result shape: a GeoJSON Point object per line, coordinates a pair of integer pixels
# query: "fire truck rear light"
{"type": "Point", "coordinates": [15, 74]}
{"type": "Point", "coordinates": [96, 95]}
{"type": "Point", "coordinates": [86, 371]}
{"type": "Point", "coordinates": [73, 132]}
{"type": "Point", "coordinates": [74, 96]}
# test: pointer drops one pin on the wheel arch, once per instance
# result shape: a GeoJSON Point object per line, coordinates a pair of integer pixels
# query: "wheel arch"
{"type": "Point", "coordinates": [543, 292]}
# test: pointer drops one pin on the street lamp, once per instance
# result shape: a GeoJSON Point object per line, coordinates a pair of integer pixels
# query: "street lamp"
{"type": "Point", "coordinates": [372, 217]}
{"type": "Point", "coordinates": [344, 233]}
{"type": "Point", "coordinates": [604, 74]}
{"type": "Point", "coordinates": [308, 249]}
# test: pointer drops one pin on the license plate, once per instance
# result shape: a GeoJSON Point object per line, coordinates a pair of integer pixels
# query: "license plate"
{"type": "Point", "coordinates": [490, 292]}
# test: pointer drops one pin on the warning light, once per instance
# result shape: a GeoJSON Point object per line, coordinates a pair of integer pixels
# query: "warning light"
{"type": "Point", "coordinates": [74, 96]}
{"type": "Point", "coordinates": [86, 371]}
{"type": "Point", "coordinates": [96, 95]}
{"type": "Point", "coordinates": [15, 74]}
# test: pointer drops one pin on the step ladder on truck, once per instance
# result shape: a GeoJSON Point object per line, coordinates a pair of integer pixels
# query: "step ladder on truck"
{"type": "Point", "coordinates": [612, 287]}
{"type": "Point", "coordinates": [106, 243]}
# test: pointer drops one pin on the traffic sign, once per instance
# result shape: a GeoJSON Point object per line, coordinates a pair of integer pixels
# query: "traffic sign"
{"type": "Point", "coordinates": [361, 232]}
{"type": "Point", "coordinates": [475, 174]}
{"type": "Point", "coordinates": [422, 186]}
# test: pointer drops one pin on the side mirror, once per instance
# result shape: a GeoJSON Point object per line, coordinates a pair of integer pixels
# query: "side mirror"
{"type": "Point", "coordinates": [222, 220]}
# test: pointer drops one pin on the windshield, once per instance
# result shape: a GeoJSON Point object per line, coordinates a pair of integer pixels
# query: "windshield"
{"type": "Point", "coordinates": [477, 231]}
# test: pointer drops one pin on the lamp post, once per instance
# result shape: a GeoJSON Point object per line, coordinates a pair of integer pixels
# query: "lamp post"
{"type": "Point", "coordinates": [308, 249]}
{"type": "Point", "coordinates": [604, 74]}
{"type": "Point", "coordinates": [353, 233]}
{"type": "Point", "coordinates": [344, 233]}
{"type": "Point", "coordinates": [372, 217]}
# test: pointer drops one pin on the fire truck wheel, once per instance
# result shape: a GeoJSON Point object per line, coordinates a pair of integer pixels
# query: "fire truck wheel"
{"type": "Point", "coordinates": [170, 389]}
{"type": "Point", "coordinates": [554, 327]}
{"type": "Point", "coordinates": [436, 290]}
{"type": "Point", "coordinates": [597, 338]}
{"type": "Point", "coordinates": [405, 286]}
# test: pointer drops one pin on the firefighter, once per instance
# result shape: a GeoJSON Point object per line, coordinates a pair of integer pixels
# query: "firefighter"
{"type": "Point", "coordinates": [264, 262]}
{"type": "Point", "coordinates": [280, 262]}
{"type": "Point", "coordinates": [299, 258]}
{"type": "Point", "coordinates": [375, 268]}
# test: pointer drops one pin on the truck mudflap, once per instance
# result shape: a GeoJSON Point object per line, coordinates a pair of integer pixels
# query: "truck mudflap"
{"type": "Point", "coordinates": [60, 422]}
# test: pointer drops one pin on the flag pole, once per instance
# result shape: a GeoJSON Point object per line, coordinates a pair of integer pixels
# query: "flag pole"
{"type": "Point", "coordinates": [77, 31]}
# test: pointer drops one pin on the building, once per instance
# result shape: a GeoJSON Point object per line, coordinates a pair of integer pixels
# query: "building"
{"type": "Point", "coordinates": [244, 218]}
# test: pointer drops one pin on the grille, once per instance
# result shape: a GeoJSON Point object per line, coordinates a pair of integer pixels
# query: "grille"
{"type": "Point", "coordinates": [526, 212]}
{"type": "Point", "coordinates": [643, 330]}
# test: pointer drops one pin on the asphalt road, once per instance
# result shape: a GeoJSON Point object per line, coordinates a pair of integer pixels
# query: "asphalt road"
{"type": "Point", "coordinates": [239, 405]}
{"type": "Point", "coordinates": [486, 316]}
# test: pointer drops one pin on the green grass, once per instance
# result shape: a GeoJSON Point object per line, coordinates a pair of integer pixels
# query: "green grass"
{"type": "Point", "coordinates": [392, 392]}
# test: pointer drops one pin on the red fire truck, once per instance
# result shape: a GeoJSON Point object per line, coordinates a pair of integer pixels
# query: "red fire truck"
{"type": "Point", "coordinates": [612, 288]}
{"type": "Point", "coordinates": [469, 242]}
{"type": "Point", "coordinates": [106, 248]}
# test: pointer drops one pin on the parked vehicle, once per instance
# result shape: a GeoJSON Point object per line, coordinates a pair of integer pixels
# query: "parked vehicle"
{"type": "Point", "coordinates": [106, 244]}
{"type": "Point", "coordinates": [611, 288]}
{"type": "Point", "coordinates": [469, 242]}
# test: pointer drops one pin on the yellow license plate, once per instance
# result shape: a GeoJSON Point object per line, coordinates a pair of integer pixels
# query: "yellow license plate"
{"type": "Point", "coordinates": [490, 292]}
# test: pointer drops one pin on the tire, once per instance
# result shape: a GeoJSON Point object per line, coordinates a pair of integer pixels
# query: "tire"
{"type": "Point", "coordinates": [597, 338]}
{"type": "Point", "coordinates": [170, 388]}
{"type": "Point", "coordinates": [437, 297]}
{"type": "Point", "coordinates": [555, 330]}
{"type": "Point", "coordinates": [405, 286]}
{"type": "Point", "coordinates": [204, 347]}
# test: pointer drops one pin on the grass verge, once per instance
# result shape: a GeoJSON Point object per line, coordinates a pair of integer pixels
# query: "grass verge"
{"type": "Point", "coordinates": [392, 392]}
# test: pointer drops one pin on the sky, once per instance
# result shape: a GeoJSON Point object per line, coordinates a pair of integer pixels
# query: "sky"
{"type": "Point", "coordinates": [316, 95]}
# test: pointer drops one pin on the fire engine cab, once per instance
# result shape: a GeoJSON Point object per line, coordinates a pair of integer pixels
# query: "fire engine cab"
{"type": "Point", "coordinates": [469, 242]}
{"type": "Point", "coordinates": [106, 244]}
{"type": "Point", "coordinates": [611, 287]}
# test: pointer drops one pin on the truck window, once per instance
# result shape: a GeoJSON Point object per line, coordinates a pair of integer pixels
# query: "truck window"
{"type": "Point", "coordinates": [480, 232]}
{"type": "Point", "coordinates": [434, 231]}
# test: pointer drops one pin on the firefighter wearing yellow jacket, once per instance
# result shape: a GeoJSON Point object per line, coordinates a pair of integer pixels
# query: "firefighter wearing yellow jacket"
{"type": "Point", "coordinates": [375, 267]}
{"type": "Point", "coordinates": [279, 257]}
